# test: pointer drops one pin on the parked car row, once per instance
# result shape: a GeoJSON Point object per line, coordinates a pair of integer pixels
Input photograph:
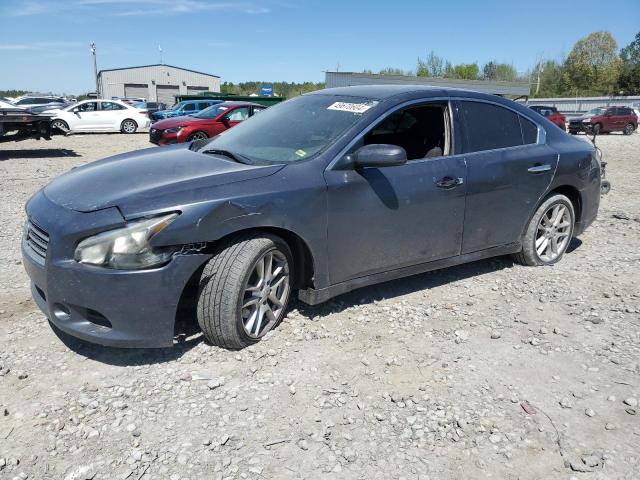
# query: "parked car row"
{"type": "Point", "coordinates": [208, 123]}
{"type": "Point", "coordinates": [598, 120]}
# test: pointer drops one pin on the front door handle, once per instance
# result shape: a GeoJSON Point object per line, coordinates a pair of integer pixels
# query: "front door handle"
{"type": "Point", "coordinates": [539, 168]}
{"type": "Point", "coordinates": [449, 182]}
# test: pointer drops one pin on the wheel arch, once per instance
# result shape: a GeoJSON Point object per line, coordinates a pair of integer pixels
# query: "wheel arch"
{"type": "Point", "coordinates": [573, 194]}
{"type": "Point", "coordinates": [303, 268]}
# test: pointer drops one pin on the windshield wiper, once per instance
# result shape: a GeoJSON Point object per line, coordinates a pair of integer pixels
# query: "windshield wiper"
{"type": "Point", "coordinates": [226, 153]}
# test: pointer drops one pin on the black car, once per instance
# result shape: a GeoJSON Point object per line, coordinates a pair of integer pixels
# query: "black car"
{"type": "Point", "coordinates": [322, 194]}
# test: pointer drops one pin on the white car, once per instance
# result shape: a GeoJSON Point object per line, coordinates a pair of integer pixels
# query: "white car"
{"type": "Point", "coordinates": [99, 116]}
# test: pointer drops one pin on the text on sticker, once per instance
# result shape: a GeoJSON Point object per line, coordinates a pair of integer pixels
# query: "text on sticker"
{"type": "Point", "coordinates": [349, 107]}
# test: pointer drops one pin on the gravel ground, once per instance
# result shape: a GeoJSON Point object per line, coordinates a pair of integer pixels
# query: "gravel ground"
{"type": "Point", "coordinates": [488, 370]}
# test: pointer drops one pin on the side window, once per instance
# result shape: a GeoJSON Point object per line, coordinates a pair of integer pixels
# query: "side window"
{"type": "Point", "coordinates": [489, 126]}
{"type": "Point", "coordinates": [529, 130]}
{"type": "Point", "coordinates": [258, 109]}
{"type": "Point", "coordinates": [239, 114]}
{"type": "Point", "coordinates": [189, 107]}
{"type": "Point", "coordinates": [111, 106]}
{"type": "Point", "coordinates": [88, 107]}
{"type": "Point", "coordinates": [423, 131]}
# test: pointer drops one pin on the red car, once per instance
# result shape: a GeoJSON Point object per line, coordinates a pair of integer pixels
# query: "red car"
{"type": "Point", "coordinates": [605, 120]}
{"type": "Point", "coordinates": [552, 114]}
{"type": "Point", "coordinates": [205, 124]}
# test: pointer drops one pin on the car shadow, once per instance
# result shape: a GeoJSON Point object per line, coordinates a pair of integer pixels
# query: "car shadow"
{"type": "Point", "coordinates": [126, 357]}
{"type": "Point", "coordinates": [37, 153]}
{"type": "Point", "coordinates": [404, 286]}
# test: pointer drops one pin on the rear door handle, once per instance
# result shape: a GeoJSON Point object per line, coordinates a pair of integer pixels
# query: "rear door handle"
{"type": "Point", "coordinates": [449, 182]}
{"type": "Point", "coordinates": [539, 168]}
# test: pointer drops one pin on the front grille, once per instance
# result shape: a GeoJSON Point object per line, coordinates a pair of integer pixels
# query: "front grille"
{"type": "Point", "coordinates": [155, 134]}
{"type": "Point", "coordinates": [37, 239]}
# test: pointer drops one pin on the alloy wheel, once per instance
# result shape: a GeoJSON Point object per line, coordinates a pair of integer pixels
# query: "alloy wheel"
{"type": "Point", "coordinates": [199, 136]}
{"type": "Point", "coordinates": [265, 294]}
{"type": "Point", "coordinates": [554, 232]}
{"type": "Point", "coordinates": [129, 127]}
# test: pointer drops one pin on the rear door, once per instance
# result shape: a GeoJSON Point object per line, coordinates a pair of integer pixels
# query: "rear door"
{"type": "Point", "coordinates": [509, 167]}
{"type": "Point", "coordinates": [111, 115]}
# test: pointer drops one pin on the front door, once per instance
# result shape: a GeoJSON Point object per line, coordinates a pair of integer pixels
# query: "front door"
{"type": "Point", "coordinates": [508, 169]}
{"type": "Point", "coordinates": [86, 117]}
{"type": "Point", "coordinates": [381, 219]}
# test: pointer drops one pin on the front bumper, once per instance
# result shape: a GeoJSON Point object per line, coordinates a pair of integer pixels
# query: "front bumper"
{"type": "Point", "coordinates": [159, 137]}
{"type": "Point", "coordinates": [580, 127]}
{"type": "Point", "coordinates": [122, 308]}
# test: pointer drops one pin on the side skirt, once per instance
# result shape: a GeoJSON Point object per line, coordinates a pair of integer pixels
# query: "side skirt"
{"type": "Point", "coordinates": [314, 297]}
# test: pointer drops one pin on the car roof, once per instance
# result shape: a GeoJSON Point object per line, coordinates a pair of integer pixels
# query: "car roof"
{"type": "Point", "coordinates": [237, 103]}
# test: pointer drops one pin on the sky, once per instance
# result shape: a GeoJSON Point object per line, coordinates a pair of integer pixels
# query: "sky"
{"type": "Point", "coordinates": [44, 45]}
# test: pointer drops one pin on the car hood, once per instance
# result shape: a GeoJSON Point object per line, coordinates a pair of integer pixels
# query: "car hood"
{"type": "Point", "coordinates": [175, 122]}
{"type": "Point", "coordinates": [579, 119]}
{"type": "Point", "coordinates": [148, 179]}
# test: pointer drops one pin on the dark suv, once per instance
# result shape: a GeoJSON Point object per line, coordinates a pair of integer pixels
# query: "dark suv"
{"type": "Point", "coordinates": [605, 120]}
{"type": "Point", "coordinates": [322, 194]}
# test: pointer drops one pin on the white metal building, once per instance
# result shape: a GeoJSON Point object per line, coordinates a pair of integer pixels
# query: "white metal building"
{"type": "Point", "coordinates": [347, 79]}
{"type": "Point", "coordinates": [156, 83]}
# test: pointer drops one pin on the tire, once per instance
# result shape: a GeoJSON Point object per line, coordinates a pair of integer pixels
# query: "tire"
{"type": "Point", "coordinates": [230, 280]}
{"type": "Point", "coordinates": [597, 129]}
{"type": "Point", "coordinates": [197, 136]}
{"type": "Point", "coordinates": [57, 124]}
{"type": "Point", "coordinates": [535, 232]}
{"type": "Point", "coordinates": [128, 126]}
{"type": "Point", "coordinates": [628, 129]}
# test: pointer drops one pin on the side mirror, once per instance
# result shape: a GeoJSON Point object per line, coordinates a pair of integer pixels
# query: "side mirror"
{"type": "Point", "coordinates": [378, 156]}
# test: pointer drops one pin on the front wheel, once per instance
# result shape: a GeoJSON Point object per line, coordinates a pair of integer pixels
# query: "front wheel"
{"type": "Point", "coordinates": [628, 129]}
{"type": "Point", "coordinates": [197, 136]}
{"type": "Point", "coordinates": [60, 125]}
{"type": "Point", "coordinates": [128, 126]}
{"type": "Point", "coordinates": [244, 290]}
{"type": "Point", "coordinates": [549, 232]}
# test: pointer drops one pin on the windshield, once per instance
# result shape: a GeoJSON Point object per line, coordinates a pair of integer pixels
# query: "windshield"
{"type": "Point", "coordinates": [139, 105]}
{"type": "Point", "coordinates": [294, 130]}
{"type": "Point", "coordinates": [211, 112]}
{"type": "Point", "coordinates": [177, 106]}
{"type": "Point", "coordinates": [596, 111]}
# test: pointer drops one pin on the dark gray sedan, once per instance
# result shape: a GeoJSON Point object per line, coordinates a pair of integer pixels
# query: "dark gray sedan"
{"type": "Point", "coordinates": [322, 194]}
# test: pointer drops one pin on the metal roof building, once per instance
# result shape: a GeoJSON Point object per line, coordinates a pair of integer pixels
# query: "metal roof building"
{"type": "Point", "coordinates": [158, 82]}
{"type": "Point", "coordinates": [349, 79]}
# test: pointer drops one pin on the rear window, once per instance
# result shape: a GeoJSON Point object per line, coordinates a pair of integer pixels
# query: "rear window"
{"type": "Point", "coordinates": [529, 130]}
{"type": "Point", "coordinates": [489, 126]}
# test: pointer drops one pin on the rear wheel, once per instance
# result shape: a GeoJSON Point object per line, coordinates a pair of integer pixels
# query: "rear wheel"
{"type": "Point", "coordinates": [628, 129]}
{"type": "Point", "coordinates": [128, 126]}
{"type": "Point", "coordinates": [197, 136]}
{"type": "Point", "coordinates": [549, 232]}
{"type": "Point", "coordinates": [244, 290]}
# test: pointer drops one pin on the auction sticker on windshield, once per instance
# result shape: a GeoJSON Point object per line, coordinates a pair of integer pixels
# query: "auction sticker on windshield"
{"type": "Point", "coordinates": [351, 107]}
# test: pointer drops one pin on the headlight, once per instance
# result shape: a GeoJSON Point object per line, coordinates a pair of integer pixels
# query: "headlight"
{"type": "Point", "coordinates": [173, 130]}
{"type": "Point", "coordinates": [586, 120]}
{"type": "Point", "coordinates": [127, 247]}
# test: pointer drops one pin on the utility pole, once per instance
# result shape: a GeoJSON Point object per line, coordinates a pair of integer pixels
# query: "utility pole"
{"type": "Point", "coordinates": [92, 45]}
{"type": "Point", "coordinates": [160, 50]}
{"type": "Point", "coordinates": [540, 68]}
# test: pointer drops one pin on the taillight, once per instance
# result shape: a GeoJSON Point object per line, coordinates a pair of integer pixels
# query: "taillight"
{"type": "Point", "coordinates": [144, 112]}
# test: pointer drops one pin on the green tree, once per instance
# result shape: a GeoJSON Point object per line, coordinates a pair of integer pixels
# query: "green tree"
{"type": "Point", "coordinates": [499, 72]}
{"type": "Point", "coordinates": [551, 80]}
{"type": "Point", "coordinates": [593, 65]}
{"type": "Point", "coordinates": [393, 71]}
{"type": "Point", "coordinates": [629, 77]}
{"type": "Point", "coordinates": [466, 71]}
{"type": "Point", "coordinates": [432, 66]}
